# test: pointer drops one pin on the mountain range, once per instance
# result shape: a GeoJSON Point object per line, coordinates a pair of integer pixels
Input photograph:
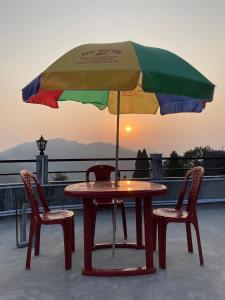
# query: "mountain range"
{"type": "Point", "coordinates": [60, 148]}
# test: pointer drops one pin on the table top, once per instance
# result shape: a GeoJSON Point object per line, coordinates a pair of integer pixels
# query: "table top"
{"type": "Point", "coordinates": [124, 188]}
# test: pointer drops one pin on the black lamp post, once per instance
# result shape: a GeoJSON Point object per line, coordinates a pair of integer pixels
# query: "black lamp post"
{"type": "Point", "coordinates": [41, 144]}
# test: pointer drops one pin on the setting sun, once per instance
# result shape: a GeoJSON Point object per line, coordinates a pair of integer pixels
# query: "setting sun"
{"type": "Point", "coordinates": [128, 129]}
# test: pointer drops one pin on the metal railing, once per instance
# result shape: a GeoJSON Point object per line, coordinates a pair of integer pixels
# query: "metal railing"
{"type": "Point", "coordinates": [131, 159]}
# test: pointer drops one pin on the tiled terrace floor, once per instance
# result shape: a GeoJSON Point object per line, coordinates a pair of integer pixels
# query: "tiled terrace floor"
{"type": "Point", "coordinates": [183, 279]}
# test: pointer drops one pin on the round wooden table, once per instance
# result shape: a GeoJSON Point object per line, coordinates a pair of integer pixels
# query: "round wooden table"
{"type": "Point", "coordinates": [140, 190]}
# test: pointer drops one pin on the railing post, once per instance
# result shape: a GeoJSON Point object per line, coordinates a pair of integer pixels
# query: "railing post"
{"type": "Point", "coordinates": [42, 168]}
{"type": "Point", "coordinates": [21, 230]}
{"type": "Point", "coordinates": [156, 165]}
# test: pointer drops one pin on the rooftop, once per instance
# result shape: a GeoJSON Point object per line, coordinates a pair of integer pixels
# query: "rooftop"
{"type": "Point", "coordinates": [183, 278]}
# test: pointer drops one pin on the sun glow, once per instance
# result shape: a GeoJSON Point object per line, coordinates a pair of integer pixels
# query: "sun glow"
{"type": "Point", "coordinates": [128, 128]}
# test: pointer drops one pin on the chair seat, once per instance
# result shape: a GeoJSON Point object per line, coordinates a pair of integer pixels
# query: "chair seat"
{"type": "Point", "coordinates": [55, 215]}
{"type": "Point", "coordinates": [170, 213]}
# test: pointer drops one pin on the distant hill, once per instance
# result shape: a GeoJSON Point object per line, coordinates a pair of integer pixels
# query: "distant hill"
{"type": "Point", "coordinates": [60, 148]}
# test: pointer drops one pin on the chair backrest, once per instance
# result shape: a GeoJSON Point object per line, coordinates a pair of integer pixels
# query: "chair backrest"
{"type": "Point", "coordinates": [101, 172]}
{"type": "Point", "coordinates": [196, 174]}
{"type": "Point", "coordinates": [28, 177]}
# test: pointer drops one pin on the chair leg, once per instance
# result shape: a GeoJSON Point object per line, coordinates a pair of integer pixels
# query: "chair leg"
{"type": "Point", "coordinates": [189, 238]}
{"type": "Point", "coordinates": [29, 248]}
{"type": "Point", "coordinates": [73, 235]}
{"type": "Point", "coordinates": [67, 233]}
{"type": "Point", "coordinates": [37, 239]}
{"type": "Point", "coordinates": [123, 213]}
{"type": "Point", "coordinates": [162, 226]}
{"type": "Point", "coordinates": [154, 233]}
{"type": "Point", "coordinates": [195, 223]}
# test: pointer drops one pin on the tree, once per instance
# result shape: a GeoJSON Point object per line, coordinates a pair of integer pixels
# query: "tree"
{"type": "Point", "coordinates": [216, 160]}
{"type": "Point", "coordinates": [174, 166]}
{"type": "Point", "coordinates": [137, 172]}
{"type": "Point", "coordinates": [141, 166]}
{"type": "Point", "coordinates": [212, 160]}
{"type": "Point", "coordinates": [196, 155]}
{"type": "Point", "coordinates": [145, 164]}
{"type": "Point", "coordinates": [60, 176]}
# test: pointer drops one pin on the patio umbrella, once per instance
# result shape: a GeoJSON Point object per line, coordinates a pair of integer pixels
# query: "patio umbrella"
{"type": "Point", "coordinates": [126, 77]}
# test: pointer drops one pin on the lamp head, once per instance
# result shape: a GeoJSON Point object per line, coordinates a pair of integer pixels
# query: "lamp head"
{"type": "Point", "coordinates": [41, 144]}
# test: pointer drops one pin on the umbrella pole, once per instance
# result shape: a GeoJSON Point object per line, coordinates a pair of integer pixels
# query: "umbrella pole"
{"type": "Point", "coordinates": [117, 136]}
{"type": "Point", "coordinates": [116, 171]}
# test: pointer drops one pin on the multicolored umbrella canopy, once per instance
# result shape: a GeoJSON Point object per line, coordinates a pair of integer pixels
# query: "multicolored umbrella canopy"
{"type": "Point", "coordinates": [147, 78]}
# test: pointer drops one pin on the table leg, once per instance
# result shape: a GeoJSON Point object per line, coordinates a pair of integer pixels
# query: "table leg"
{"type": "Point", "coordinates": [148, 233]}
{"type": "Point", "coordinates": [88, 230]}
{"type": "Point", "coordinates": [138, 211]}
{"type": "Point", "coordinates": [88, 242]}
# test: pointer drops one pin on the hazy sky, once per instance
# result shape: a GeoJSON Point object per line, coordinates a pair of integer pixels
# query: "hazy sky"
{"type": "Point", "coordinates": [35, 33]}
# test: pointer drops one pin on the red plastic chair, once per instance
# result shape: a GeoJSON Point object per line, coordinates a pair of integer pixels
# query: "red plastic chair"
{"type": "Point", "coordinates": [103, 172]}
{"type": "Point", "coordinates": [164, 216]}
{"type": "Point", "coordinates": [48, 217]}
